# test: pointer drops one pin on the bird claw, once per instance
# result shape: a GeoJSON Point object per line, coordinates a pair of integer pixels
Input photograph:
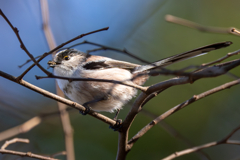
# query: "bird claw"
{"type": "Point", "coordinates": [87, 110]}
{"type": "Point", "coordinates": [117, 126]}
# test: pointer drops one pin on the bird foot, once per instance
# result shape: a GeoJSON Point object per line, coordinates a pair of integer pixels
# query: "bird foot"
{"type": "Point", "coordinates": [117, 126]}
{"type": "Point", "coordinates": [87, 109]}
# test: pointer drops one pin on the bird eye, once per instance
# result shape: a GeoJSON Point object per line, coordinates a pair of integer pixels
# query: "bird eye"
{"type": "Point", "coordinates": [66, 58]}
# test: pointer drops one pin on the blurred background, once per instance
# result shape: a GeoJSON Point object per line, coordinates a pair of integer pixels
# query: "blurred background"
{"type": "Point", "coordinates": [140, 27]}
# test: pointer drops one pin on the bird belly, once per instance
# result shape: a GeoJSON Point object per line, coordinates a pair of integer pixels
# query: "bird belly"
{"type": "Point", "coordinates": [111, 96]}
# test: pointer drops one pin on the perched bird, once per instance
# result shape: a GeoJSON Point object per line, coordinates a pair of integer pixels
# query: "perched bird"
{"type": "Point", "coordinates": [105, 96]}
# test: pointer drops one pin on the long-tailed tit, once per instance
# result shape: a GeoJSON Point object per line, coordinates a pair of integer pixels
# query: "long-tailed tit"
{"type": "Point", "coordinates": [104, 96]}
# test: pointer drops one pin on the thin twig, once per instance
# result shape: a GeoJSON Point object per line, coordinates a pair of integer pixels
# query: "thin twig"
{"type": "Point", "coordinates": [23, 128]}
{"type": "Point", "coordinates": [57, 48]}
{"type": "Point", "coordinates": [28, 125]}
{"type": "Point", "coordinates": [187, 23]}
{"type": "Point", "coordinates": [126, 83]}
{"type": "Point", "coordinates": [221, 59]}
{"type": "Point", "coordinates": [58, 98]}
{"type": "Point", "coordinates": [67, 127]}
{"type": "Point", "coordinates": [62, 153]}
{"type": "Point", "coordinates": [46, 26]}
{"type": "Point", "coordinates": [103, 47]}
{"type": "Point", "coordinates": [180, 72]}
{"type": "Point", "coordinates": [235, 31]}
{"type": "Point", "coordinates": [29, 60]}
{"type": "Point", "coordinates": [173, 132]}
{"type": "Point", "coordinates": [179, 107]}
{"type": "Point", "coordinates": [23, 154]}
{"type": "Point", "coordinates": [194, 149]}
{"type": "Point", "coordinates": [14, 140]}
{"type": "Point", "coordinates": [212, 71]}
{"type": "Point", "coordinates": [15, 30]}
{"type": "Point", "coordinates": [26, 154]}
{"type": "Point", "coordinates": [207, 145]}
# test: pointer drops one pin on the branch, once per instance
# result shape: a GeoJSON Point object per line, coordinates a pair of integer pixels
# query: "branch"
{"type": "Point", "coordinates": [221, 59]}
{"type": "Point", "coordinates": [126, 83]}
{"type": "Point", "coordinates": [181, 72]}
{"type": "Point", "coordinates": [124, 147]}
{"type": "Point", "coordinates": [46, 26]}
{"type": "Point", "coordinates": [58, 98]}
{"type": "Point", "coordinates": [212, 71]}
{"type": "Point", "coordinates": [58, 47]}
{"type": "Point", "coordinates": [29, 60]}
{"type": "Point", "coordinates": [28, 125]}
{"type": "Point", "coordinates": [23, 128]}
{"type": "Point", "coordinates": [36, 62]}
{"type": "Point", "coordinates": [207, 145]}
{"type": "Point", "coordinates": [236, 32]}
{"type": "Point", "coordinates": [23, 154]}
{"type": "Point", "coordinates": [27, 154]}
{"type": "Point", "coordinates": [15, 30]}
{"type": "Point", "coordinates": [14, 140]}
{"type": "Point", "coordinates": [67, 127]}
{"type": "Point", "coordinates": [174, 133]}
{"type": "Point", "coordinates": [110, 48]}
{"type": "Point", "coordinates": [102, 47]}
{"type": "Point", "coordinates": [62, 153]}
{"type": "Point", "coordinates": [154, 90]}
{"type": "Point", "coordinates": [179, 107]}
{"type": "Point", "coordinates": [190, 24]}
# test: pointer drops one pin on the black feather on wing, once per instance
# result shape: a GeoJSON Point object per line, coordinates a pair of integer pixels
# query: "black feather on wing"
{"type": "Point", "coordinates": [110, 63]}
{"type": "Point", "coordinates": [96, 65]}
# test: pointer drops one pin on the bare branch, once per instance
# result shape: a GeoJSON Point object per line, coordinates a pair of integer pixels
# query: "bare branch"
{"type": "Point", "coordinates": [14, 140]}
{"type": "Point", "coordinates": [235, 31]}
{"type": "Point", "coordinates": [123, 147]}
{"type": "Point", "coordinates": [58, 47]}
{"type": "Point", "coordinates": [221, 59]}
{"type": "Point", "coordinates": [179, 107]}
{"type": "Point", "coordinates": [58, 98]}
{"type": "Point", "coordinates": [208, 145]}
{"type": "Point", "coordinates": [194, 149]}
{"type": "Point", "coordinates": [28, 154]}
{"type": "Point", "coordinates": [28, 125]}
{"type": "Point", "coordinates": [152, 91]}
{"type": "Point", "coordinates": [29, 60]}
{"type": "Point", "coordinates": [67, 128]}
{"type": "Point", "coordinates": [126, 83]}
{"type": "Point", "coordinates": [190, 24]}
{"type": "Point", "coordinates": [46, 27]}
{"type": "Point", "coordinates": [212, 71]}
{"type": "Point", "coordinates": [62, 153]}
{"type": "Point", "coordinates": [15, 30]}
{"type": "Point", "coordinates": [103, 47]}
{"type": "Point", "coordinates": [23, 128]}
{"type": "Point", "coordinates": [174, 133]}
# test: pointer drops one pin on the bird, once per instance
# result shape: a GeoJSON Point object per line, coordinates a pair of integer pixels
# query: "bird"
{"type": "Point", "coordinates": [106, 96]}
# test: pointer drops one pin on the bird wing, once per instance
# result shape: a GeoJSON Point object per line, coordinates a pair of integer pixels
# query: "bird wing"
{"type": "Point", "coordinates": [109, 63]}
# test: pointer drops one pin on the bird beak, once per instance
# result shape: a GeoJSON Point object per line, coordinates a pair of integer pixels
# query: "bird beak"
{"type": "Point", "coordinates": [52, 64]}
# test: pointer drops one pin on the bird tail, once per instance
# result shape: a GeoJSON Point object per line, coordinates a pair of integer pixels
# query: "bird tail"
{"type": "Point", "coordinates": [183, 56]}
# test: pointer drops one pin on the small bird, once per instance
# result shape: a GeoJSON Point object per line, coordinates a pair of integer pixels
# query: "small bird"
{"type": "Point", "coordinates": [105, 96]}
